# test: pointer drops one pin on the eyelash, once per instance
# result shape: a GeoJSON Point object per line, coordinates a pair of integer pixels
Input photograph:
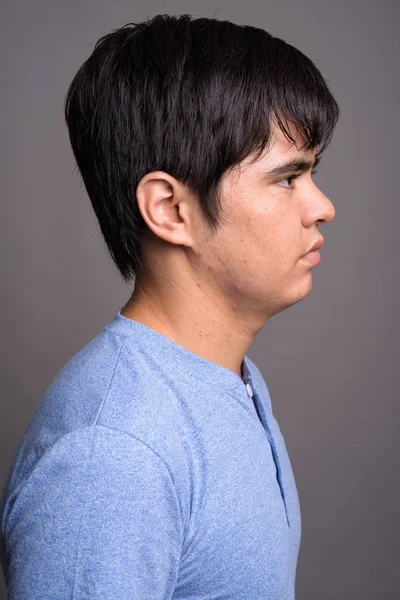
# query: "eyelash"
{"type": "Point", "coordinates": [292, 177]}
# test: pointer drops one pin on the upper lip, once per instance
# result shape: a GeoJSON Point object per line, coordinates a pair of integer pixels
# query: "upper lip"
{"type": "Point", "coordinates": [318, 244]}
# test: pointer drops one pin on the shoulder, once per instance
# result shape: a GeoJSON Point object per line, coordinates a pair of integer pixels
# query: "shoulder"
{"type": "Point", "coordinates": [85, 467]}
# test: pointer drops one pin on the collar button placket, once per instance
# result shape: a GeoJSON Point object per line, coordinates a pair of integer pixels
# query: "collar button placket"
{"type": "Point", "coordinates": [264, 421]}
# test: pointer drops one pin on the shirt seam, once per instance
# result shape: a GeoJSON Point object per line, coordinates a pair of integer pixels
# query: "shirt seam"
{"type": "Point", "coordinates": [110, 381]}
{"type": "Point", "coordinates": [130, 435]}
{"type": "Point", "coordinates": [97, 423]}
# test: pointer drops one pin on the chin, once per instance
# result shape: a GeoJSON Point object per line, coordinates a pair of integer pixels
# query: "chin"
{"type": "Point", "coordinates": [303, 290]}
{"type": "Point", "coordinates": [297, 294]}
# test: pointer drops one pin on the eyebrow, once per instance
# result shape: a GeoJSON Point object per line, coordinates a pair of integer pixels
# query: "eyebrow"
{"type": "Point", "coordinates": [294, 165]}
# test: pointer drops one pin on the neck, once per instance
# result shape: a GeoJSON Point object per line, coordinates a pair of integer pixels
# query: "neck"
{"type": "Point", "coordinates": [192, 321]}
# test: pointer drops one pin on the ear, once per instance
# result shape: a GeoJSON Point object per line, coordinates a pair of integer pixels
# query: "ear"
{"type": "Point", "coordinates": [166, 206]}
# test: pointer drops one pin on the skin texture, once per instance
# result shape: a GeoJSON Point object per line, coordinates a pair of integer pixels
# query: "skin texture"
{"type": "Point", "coordinates": [212, 293]}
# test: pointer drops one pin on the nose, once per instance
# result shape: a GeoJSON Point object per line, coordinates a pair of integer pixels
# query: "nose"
{"type": "Point", "coordinates": [328, 209]}
{"type": "Point", "coordinates": [321, 208]}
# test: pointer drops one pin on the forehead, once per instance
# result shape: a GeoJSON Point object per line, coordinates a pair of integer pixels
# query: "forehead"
{"type": "Point", "coordinates": [279, 140]}
{"type": "Point", "coordinates": [281, 148]}
{"type": "Point", "coordinates": [278, 151]}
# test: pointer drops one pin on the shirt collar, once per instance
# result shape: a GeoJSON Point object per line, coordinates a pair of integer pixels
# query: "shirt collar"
{"type": "Point", "coordinates": [176, 357]}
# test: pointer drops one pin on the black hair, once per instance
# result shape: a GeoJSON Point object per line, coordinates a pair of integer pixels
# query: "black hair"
{"type": "Point", "coordinates": [191, 97]}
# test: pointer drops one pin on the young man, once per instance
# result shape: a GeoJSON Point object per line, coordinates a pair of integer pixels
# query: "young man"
{"type": "Point", "coordinates": [153, 467]}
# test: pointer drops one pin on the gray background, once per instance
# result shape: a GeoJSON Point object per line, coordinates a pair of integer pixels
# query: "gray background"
{"type": "Point", "coordinates": [331, 361]}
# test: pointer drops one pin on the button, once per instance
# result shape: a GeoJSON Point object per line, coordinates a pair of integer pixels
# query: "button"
{"type": "Point", "coordinates": [249, 390]}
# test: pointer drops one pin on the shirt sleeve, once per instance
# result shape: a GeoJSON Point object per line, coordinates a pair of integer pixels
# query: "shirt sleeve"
{"type": "Point", "coordinates": [98, 517]}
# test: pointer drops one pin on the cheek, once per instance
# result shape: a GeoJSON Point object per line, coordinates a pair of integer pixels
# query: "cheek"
{"type": "Point", "coordinates": [229, 255]}
{"type": "Point", "coordinates": [263, 238]}
{"type": "Point", "coordinates": [271, 238]}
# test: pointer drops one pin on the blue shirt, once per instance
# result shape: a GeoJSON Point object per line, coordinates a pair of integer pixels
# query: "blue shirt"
{"type": "Point", "coordinates": [148, 472]}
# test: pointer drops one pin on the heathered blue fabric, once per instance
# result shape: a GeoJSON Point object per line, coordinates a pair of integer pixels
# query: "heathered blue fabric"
{"type": "Point", "coordinates": [148, 472]}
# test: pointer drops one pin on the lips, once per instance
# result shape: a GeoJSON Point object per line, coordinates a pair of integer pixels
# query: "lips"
{"type": "Point", "coordinates": [318, 244]}
{"type": "Point", "coordinates": [313, 258]}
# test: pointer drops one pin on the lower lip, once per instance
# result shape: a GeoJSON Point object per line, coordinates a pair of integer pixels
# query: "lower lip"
{"type": "Point", "coordinates": [313, 258]}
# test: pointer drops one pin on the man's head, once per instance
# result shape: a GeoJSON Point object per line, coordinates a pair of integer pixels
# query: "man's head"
{"type": "Point", "coordinates": [175, 124]}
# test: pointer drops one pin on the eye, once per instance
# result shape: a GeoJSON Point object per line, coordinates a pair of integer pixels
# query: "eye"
{"type": "Point", "coordinates": [291, 178]}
